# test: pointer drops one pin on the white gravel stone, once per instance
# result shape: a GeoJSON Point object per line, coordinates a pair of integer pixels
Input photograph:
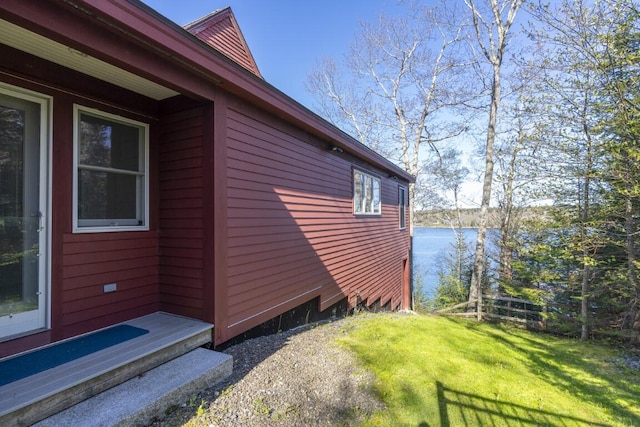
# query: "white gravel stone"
{"type": "Point", "coordinates": [296, 378]}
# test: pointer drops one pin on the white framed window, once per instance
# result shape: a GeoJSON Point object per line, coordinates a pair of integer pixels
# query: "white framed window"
{"type": "Point", "coordinates": [402, 206]}
{"type": "Point", "coordinates": [110, 175]}
{"type": "Point", "coordinates": [366, 194]}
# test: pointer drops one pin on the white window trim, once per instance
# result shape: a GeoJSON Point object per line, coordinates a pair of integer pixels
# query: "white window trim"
{"type": "Point", "coordinates": [374, 178]}
{"type": "Point", "coordinates": [402, 205]}
{"type": "Point", "coordinates": [99, 228]}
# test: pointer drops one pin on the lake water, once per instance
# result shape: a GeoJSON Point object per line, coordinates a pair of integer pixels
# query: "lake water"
{"type": "Point", "coordinates": [429, 247]}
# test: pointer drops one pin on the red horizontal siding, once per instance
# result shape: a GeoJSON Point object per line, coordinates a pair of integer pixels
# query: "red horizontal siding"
{"type": "Point", "coordinates": [181, 213]}
{"type": "Point", "coordinates": [77, 243]}
{"type": "Point", "coordinates": [90, 261]}
{"type": "Point", "coordinates": [124, 287]}
{"type": "Point", "coordinates": [115, 276]}
{"type": "Point", "coordinates": [291, 231]}
{"type": "Point", "coordinates": [96, 320]}
{"type": "Point", "coordinates": [220, 31]}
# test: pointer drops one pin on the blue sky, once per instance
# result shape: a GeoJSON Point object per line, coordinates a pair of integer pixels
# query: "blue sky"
{"type": "Point", "coordinates": [287, 37]}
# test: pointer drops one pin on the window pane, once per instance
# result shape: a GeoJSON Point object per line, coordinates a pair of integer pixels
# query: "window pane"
{"type": "Point", "coordinates": [109, 144]}
{"type": "Point", "coordinates": [366, 194]}
{"type": "Point", "coordinates": [358, 192]}
{"type": "Point", "coordinates": [376, 196]}
{"type": "Point", "coordinates": [19, 204]}
{"type": "Point", "coordinates": [105, 195]}
{"type": "Point", "coordinates": [402, 205]}
{"type": "Point", "coordinates": [110, 171]}
{"type": "Point", "coordinates": [12, 123]}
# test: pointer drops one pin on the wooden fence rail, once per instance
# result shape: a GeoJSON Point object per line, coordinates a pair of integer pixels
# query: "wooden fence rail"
{"type": "Point", "coordinates": [502, 308]}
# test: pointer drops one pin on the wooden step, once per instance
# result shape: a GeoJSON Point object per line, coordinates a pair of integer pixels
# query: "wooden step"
{"type": "Point", "coordinates": [145, 398]}
{"type": "Point", "coordinates": [36, 397]}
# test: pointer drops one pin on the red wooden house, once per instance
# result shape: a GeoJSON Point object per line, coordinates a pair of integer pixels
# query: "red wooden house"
{"type": "Point", "coordinates": [147, 167]}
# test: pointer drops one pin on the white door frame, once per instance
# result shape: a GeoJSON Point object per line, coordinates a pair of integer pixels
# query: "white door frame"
{"type": "Point", "coordinates": [36, 320]}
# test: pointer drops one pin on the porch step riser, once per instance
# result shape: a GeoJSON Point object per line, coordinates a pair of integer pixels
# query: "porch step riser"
{"type": "Point", "coordinates": [51, 405]}
{"type": "Point", "coordinates": [33, 398]}
{"type": "Point", "coordinates": [141, 400]}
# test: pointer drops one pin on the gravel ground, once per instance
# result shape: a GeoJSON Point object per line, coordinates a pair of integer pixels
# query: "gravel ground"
{"type": "Point", "coordinates": [296, 378]}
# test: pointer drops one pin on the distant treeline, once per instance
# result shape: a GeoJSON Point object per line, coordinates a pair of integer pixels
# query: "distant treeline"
{"type": "Point", "coordinates": [469, 217]}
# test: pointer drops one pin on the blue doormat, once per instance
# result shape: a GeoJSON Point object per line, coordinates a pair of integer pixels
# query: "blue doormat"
{"type": "Point", "coordinates": [38, 361]}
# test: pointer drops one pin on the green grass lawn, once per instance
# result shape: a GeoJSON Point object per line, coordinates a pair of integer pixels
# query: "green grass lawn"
{"type": "Point", "coordinates": [437, 371]}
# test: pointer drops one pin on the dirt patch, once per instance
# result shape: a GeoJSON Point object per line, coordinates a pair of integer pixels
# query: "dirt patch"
{"type": "Point", "coordinates": [299, 377]}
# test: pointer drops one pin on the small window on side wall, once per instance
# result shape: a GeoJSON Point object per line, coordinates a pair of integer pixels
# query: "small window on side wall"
{"type": "Point", "coordinates": [110, 172]}
{"type": "Point", "coordinates": [366, 194]}
{"type": "Point", "coordinates": [402, 206]}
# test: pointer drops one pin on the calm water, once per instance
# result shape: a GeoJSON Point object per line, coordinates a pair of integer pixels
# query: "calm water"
{"type": "Point", "coordinates": [429, 247]}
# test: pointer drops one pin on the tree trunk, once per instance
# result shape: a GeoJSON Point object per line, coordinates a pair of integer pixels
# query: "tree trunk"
{"type": "Point", "coordinates": [634, 313]}
{"type": "Point", "coordinates": [475, 289]}
{"type": "Point", "coordinates": [459, 235]}
{"type": "Point", "coordinates": [494, 53]}
{"type": "Point", "coordinates": [505, 269]}
{"type": "Point", "coordinates": [631, 246]}
{"type": "Point", "coordinates": [585, 330]}
{"type": "Point", "coordinates": [584, 306]}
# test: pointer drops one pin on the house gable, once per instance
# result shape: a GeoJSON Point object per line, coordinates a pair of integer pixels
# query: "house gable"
{"type": "Point", "coordinates": [251, 210]}
{"type": "Point", "coordinates": [220, 30]}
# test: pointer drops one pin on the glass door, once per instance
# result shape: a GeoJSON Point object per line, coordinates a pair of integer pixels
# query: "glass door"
{"type": "Point", "coordinates": [22, 204]}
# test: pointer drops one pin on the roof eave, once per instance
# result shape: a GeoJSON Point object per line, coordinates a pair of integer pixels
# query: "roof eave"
{"type": "Point", "coordinates": [244, 83]}
{"type": "Point", "coordinates": [164, 38]}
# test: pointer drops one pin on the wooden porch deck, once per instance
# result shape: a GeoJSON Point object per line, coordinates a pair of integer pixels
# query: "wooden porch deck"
{"type": "Point", "coordinates": [33, 398]}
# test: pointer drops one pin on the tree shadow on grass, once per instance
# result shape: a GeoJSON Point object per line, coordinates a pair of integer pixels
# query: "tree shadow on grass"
{"type": "Point", "coordinates": [552, 364]}
{"type": "Point", "coordinates": [475, 410]}
{"type": "Point", "coordinates": [463, 409]}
